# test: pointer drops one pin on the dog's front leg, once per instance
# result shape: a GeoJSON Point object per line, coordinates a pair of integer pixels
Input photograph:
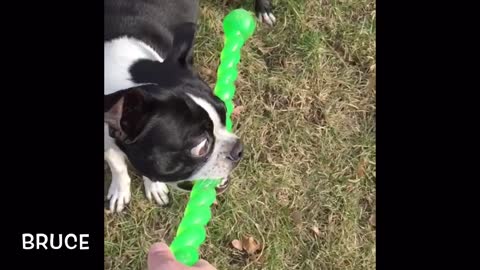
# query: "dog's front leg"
{"type": "Point", "coordinates": [119, 191]}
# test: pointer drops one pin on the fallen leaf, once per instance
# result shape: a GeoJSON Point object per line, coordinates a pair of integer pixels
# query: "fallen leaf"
{"type": "Point", "coordinates": [250, 245]}
{"type": "Point", "coordinates": [282, 197]}
{"type": "Point", "coordinates": [373, 220]}
{"type": "Point", "coordinates": [316, 230]}
{"type": "Point", "coordinates": [361, 168]}
{"type": "Point", "coordinates": [237, 111]}
{"type": "Point", "coordinates": [371, 83]}
{"type": "Point", "coordinates": [331, 217]}
{"type": "Point", "coordinates": [297, 217]}
{"type": "Point", "coordinates": [259, 259]}
{"type": "Point", "coordinates": [108, 261]}
{"type": "Point", "coordinates": [237, 244]}
{"type": "Point", "coordinates": [369, 200]}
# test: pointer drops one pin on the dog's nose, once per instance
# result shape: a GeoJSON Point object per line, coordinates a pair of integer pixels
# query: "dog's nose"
{"type": "Point", "coordinates": [236, 152]}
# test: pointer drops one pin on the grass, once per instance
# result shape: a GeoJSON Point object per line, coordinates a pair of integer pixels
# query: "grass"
{"type": "Point", "coordinates": [308, 90]}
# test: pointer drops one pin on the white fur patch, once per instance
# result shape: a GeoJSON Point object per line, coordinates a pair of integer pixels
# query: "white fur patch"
{"type": "Point", "coordinates": [119, 55]}
{"type": "Point", "coordinates": [218, 165]}
{"type": "Point", "coordinates": [219, 129]}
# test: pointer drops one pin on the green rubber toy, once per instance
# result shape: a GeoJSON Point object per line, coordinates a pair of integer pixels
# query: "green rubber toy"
{"type": "Point", "coordinates": [238, 26]}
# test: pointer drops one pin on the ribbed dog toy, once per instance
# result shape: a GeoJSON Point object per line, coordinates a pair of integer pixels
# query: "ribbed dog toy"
{"type": "Point", "coordinates": [238, 26]}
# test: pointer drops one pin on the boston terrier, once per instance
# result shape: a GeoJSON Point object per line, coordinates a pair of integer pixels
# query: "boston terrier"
{"type": "Point", "coordinates": [159, 115]}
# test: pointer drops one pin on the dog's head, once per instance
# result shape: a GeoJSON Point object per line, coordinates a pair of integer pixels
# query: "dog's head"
{"type": "Point", "coordinates": [172, 128]}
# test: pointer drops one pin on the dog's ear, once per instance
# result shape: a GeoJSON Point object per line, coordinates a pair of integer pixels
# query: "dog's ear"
{"type": "Point", "coordinates": [182, 47]}
{"type": "Point", "coordinates": [126, 114]}
{"type": "Point", "coordinates": [177, 64]}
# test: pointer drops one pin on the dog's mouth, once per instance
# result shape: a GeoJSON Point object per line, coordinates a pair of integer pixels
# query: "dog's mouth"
{"type": "Point", "coordinates": [223, 186]}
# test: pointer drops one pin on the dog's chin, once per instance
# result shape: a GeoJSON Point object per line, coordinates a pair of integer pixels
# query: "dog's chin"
{"type": "Point", "coordinates": [221, 188]}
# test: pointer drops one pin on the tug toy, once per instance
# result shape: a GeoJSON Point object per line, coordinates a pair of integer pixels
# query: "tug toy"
{"type": "Point", "coordinates": [238, 26]}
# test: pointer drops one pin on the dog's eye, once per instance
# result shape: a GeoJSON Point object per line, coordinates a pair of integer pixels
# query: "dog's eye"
{"type": "Point", "coordinates": [201, 149]}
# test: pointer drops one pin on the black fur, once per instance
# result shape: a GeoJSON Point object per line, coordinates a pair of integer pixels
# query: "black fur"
{"type": "Point", "coordinates": [151, 21]}
{"type": "Point", "coordinates": [156, 125]}
{"type": "Point", "coordinates": [178, 62]}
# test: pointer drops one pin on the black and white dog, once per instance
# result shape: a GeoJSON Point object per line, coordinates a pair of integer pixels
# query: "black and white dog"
{"type": "Point", "coordinates": [159, 114]}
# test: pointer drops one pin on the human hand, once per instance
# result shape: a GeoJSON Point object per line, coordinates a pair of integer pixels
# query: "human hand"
{"type": "Point", "coordinates": [161, 258]}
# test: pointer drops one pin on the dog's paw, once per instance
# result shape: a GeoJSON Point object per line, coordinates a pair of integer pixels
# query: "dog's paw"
{"type": "Point", "coordinates": [119, 195]}
{"type": "Point", "coordinates": [156, 190]}
{"type": "Point", "coordinates": [263, 9]}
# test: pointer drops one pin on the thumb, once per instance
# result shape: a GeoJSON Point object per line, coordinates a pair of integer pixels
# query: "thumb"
{"type": "Point", "coordinates": [159, 256]}
{"type": "Point", "coordinates": [160, 250]}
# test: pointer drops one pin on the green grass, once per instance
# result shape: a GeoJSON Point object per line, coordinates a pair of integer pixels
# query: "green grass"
{"type": "Point", "coordinates": [308, 90]}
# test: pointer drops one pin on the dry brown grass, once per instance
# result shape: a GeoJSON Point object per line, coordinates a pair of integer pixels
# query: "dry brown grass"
{"type": "Point", "coordinates": [308, 90]}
